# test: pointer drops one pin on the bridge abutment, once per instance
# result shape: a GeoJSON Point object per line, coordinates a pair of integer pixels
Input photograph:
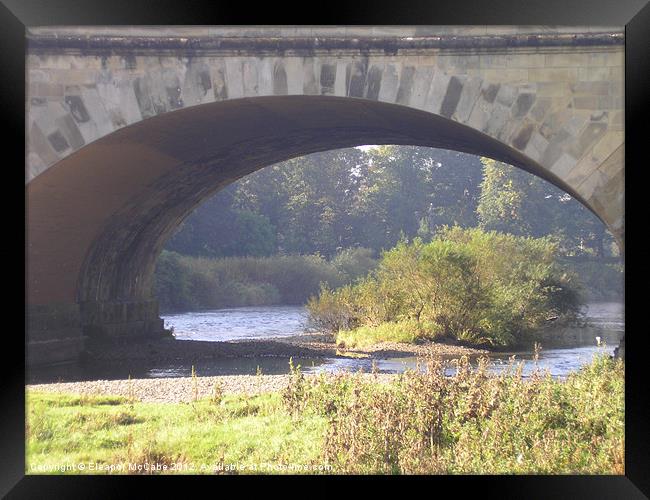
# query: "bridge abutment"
{"type": "Point", "coordinates": [54, 334]}
{"type": "Point", "coordinates": [121, 319]}
{"type": "Point", "coordinates": [58, 333]}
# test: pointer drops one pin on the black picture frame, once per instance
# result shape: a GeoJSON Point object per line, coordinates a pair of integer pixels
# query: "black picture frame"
{"type": "Point", "coordinates": [633, 14]}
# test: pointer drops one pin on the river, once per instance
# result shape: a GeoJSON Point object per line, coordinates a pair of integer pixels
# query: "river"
{"type": "Point", "coordinates": [604, 320]}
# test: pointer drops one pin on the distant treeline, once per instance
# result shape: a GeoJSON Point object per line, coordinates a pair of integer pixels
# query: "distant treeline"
{"type": "Point", "coordinates": [325, 202]}
{"type": "Point", "coordinates": [190, 283]}
{"type": "Point", "coordinates": [274, 235]}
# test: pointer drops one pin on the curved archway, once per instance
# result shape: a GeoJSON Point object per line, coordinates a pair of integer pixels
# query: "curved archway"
{"type": "Point", "coordinates": [98, 219]}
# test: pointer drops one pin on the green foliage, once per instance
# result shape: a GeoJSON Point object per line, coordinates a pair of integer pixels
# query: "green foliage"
{"type": "Point", "coordinates": [420, 422]}
{"type": "Point", "coordinates": [186, 283]}
{"type": "Point", "coordinates": [220, 430]}
{"type": "Point", "coordinates": [472, 423]}
{"type": "Point", "coordinates": [408, 331]}
{"type": "Point", "coordinates": [219, 229]}
{"type": "Point", "coordinates": [467, 284]}
{"type": "Point", "coordinates": [517, 202]}
{"type": "Point", "coordinates": [326, 202]}
{"type": "Point", "coordinates": [601, 281]}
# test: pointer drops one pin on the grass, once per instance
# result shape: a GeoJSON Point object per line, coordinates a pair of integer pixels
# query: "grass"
{"type": "Point", "coordinates": [421, 423]}
{"type": "Point", "coordinates": [65, 429]}
{"type": "Point", "coordinates": [364, 336]}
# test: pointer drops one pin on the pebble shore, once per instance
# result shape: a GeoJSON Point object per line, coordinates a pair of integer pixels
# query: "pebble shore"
{"type": "Point", "coordinates": [179, 390]}
{"type": "Point", "coordinates": [182, 389]}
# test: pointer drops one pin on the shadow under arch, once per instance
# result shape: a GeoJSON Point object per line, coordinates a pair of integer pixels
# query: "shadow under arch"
{"type": "Point", "coordinates": [98, 219]}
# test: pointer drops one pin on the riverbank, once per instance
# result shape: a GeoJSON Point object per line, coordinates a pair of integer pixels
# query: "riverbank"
{"type": "Point", "coordinates": [307, 345]}
{"type": "Point", "coordinates": [419, 423]}
{"type": "Point", "coordinates": [181, 389]}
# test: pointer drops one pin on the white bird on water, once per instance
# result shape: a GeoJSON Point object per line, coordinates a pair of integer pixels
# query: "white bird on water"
{"type": "Point", "coordinates": [598, 341]}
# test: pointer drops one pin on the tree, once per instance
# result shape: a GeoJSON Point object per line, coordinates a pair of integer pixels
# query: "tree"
{"type": "Point", "coordinates": [523, 204]}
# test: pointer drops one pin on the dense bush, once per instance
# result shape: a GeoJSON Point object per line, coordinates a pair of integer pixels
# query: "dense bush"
{"type": "Point", "coordinates": [186, 283]}
{"type": "Point", "coordinates": [467, 284]}
{"type": "Point", "coordinates": [472, 423]}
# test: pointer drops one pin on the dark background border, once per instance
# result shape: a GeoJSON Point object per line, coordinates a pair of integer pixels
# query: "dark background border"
{"type": "Point", "coordinates": [634, 14]}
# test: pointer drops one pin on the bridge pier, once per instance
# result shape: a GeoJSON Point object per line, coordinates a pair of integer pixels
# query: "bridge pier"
{"type": "Point", "coordinates": [120, 319]}
{"type": "Point", "coordinates": [58, 333]}
{"type": "Point", "coordinates": [54, 334]}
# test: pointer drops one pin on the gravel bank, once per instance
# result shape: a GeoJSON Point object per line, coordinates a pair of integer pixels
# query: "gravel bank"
{"type": "Point", "coordinates": [306, 345]}
{"type": "Point", "coordinates": [179, 390]}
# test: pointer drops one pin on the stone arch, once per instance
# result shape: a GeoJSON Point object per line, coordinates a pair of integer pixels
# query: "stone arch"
{"type": "Point", "coordinates": [124, 142]}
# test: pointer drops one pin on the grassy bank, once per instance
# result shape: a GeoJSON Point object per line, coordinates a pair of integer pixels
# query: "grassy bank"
{"type": "Point", "coordinates": [188, 283]}
{"type": "Point", "coordinates": [420, 423]}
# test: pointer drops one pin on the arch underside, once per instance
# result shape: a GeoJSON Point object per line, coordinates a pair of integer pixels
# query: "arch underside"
{"type": "Point", "coordinates": [98, 219]}
{"type": "Point", "coordinates": [106, 211]}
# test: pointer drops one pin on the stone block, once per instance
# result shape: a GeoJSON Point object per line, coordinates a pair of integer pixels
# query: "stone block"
{"type": "Point", "coordinates": [522, 104]}
{"type": "Point", "coordinates": [457, 64]}
{"type": "Point", "coordinates": [550, 74]}
{"type": "Point", "coordinates": [556, 147]}
{"type": "Point", "coordinates": [54, 351]}
{"type": "Point", "coordinates": [219, 78]}
{"type": "Point", "coordinates": [452, 96]}
{"type": "Point", "coordinates": [44, 89]}
{"type": "Point", "coordinates": [553, 89]}
{"type": "Point", "coordinates": [265, 76]}
{"type": "Point", "coordinates": [328, 78]}
{"type": "Point", "coordinates": [310, 82]}
{"type": "Point", "coordinates": [197, 85]}
{"type": "Point", "coordinates": [554, 122]}
{"type": "Point", "coordinates": [508, 75]}
{"type": "Point", "coordinates": [582, 169]}
{"type": "Point", "coordinates": [566, 60]}
{"type": "Point", "coordinates": [591, 88]}
{"type": "Point", "coordinates": [406, 82]}
{"type": "Point", "coordinates": [564, 164]}
{"type": "Point", "coordinates": [421, 86]}
{"type": "Point", "coordinates": [491, 61]}
{"type": "Point", "coordinates": [340, 87]}
{"type": "Point", "coordinates": [480, 114]}
{"type": "Point", "coordinates": [617, 73]}
{"type": "Point", "coordinates": [594, 74]}
{"type": "Point", "coordinates": [506, 95]}
{"type": "Point", "coordinates": [521, 138]}
{"type": "Point", "coordinates": [39, 144]}
{"type": "Point", "coordinates": [373, 82]}
{"type": "Point", "coordinates": [575, 124]}
{"type": "Point", "coordinates": [235, 78]}
{"type": "Point", "coordinates": [437, 91]}
{"type": "Point", "coordinates": [529, 60]}
{"type": "Point", "coordinates": [355, 78]}
{"type": "Point", "coordinates": [614, 163]}
{"type": "Point", "coordinates": [497, 120]}
{"type": "Point", "coordinates": [471, 92]}
{"type": "Point", "coordinates": [539, 109]}
{"type": "Point", "coordinates": [591, 184]}
{"type": "Point", "coordinates": [589, 136]}
{"type": "Point", "coordinates": [100, 122]}
{"type": "Point", "coordinates": [489, 91]}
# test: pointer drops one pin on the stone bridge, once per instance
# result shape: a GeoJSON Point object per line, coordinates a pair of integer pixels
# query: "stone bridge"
{"type": "Point", "coordinates": [129, 129]}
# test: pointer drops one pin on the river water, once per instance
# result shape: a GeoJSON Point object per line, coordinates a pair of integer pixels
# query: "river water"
{"type": "Point", "coordinates": [603, 320]}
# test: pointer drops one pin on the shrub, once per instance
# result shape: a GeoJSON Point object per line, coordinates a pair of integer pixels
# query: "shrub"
{"type": "Point", "coordinates": [471, 423]}
{"type": "Point", "coordinates": [468, 284]}
{"type": "Point", "coordinates": [185, 283]}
